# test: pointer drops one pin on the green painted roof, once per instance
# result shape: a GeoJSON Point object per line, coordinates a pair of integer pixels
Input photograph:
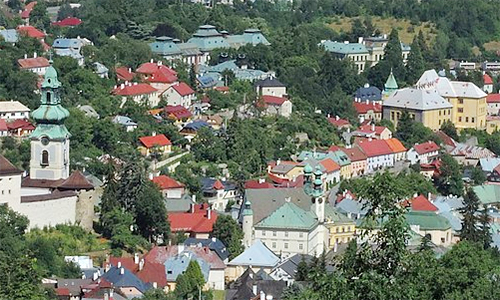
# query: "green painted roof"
{"type": "Point", "coordinates": [52, 131]}
{"type": "Point", "coordinates": [165, 46]}
{"type": "Point", "coordinates": [50, 114]}
{"type": "Point", "coordinates": [344, 48]}
{"type": "Point", "coordinates": [391, 83]}
{"type": "Point", "coordinates": [50, 79]}
{"type": "Point", "coordinates": [488, 193]}
{"type": "Point", "coordinates": [339, 157]}
{"type": "Point", "coordinates": [289, 216]}
{"type": "Point", "coordinates": [427, 220]}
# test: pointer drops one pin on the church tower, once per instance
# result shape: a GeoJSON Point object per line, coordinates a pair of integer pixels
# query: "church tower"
{"type": "Point", "coordinates": [50, 140]}
{"type": "Point", "coordinates": [247, 224]}
{"type": "Point", "coordinates": [390, 86]}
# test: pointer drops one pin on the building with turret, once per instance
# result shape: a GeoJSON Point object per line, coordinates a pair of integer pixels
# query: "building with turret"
{"type": "Point", "coordinates": [390, 86]}
{"type": "Point", "coordinates": [50, 194]}
{"type": "Point", "coordinates": [293, 220]}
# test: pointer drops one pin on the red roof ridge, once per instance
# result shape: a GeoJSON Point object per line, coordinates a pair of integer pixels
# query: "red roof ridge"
{"type": "Point", "coordinates": [155, 140]}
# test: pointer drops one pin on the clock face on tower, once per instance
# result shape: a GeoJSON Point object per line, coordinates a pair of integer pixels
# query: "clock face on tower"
{"type": "Point", "coordinates": [44, 140]}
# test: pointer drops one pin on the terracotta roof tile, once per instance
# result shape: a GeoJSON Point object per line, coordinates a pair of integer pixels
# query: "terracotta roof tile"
{"type": "Point", "coordinates": [339, 122]}
{"type": "Point", "coordinates": [256, 184]}
{"type": "Point", "coordinates": [426, 147]}
{"type": "Point", "coordinates": [487, 79]}
{"type": "Point", "coordinates": [151, 68]}
{"type": "Point", "coordinates": [375, 148]}
{"type": "Point", "coordinates": [155, 140]}
{"type": "Point", "coordinates": [124, 73]}
{"type": "Point", "coordinates": [193, 222]}
{"type": "Point", "coordinates": [370, 128]}
{"type": "Point", "coordinates": [273, 100]}
{"type": "Point", "coordinates": [177, 112]}
{"type": "Point", "coordinates": [420, 203]}
{"type": "Point", "coordinates": [395, 145]}
{"type": "Point", "coordinates": [67, 22]}
{"type": "Point", "coordinates": [493, 98]}
{"type": "Point", "coordinates": [3, 125]}
{"type": "Point", "coordinates": [363, 108]}
{"type": "Point", "coordinates": [153, 272]}
{"type": "Point", "coordinates": [218, 185]}
{"type": "Point", "coordinates": [34, 62]}
{"type": "Point", "coordinates": [164, 182]}
{"type": "Point", "coordinates": [330, 165]}
{"type": "Point", "coordinates": [31, 32]}
{"type": "Point", "coordinates": [183, 89]}
{"type": "Point", "coordinates": [134, 89]}
{"type": "Point", "coordinates": [355, 154]}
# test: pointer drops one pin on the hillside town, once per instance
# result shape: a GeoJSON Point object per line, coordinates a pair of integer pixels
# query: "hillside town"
{"type": "Point", "coordinates": [246, 150]}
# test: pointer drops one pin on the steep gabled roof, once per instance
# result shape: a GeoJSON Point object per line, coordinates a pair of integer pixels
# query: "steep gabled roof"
{"type": "Point", "coordinates": [69, 21]}
{"type": "Point", "coordinates": [257, 255]}
{"type": "Point", "coordinates": [363, 107]}
{"type": "Point", "coordinates": [493, 98]}
{"type": "Point", "coordinates": [395, 145]}
{"type": "Point", "coordinates": [420, 203]}
{"type": "Point", "coordinates": [487, 79]}
{"type": "Point", "coordinates": [7, 168]}
{"type": "Point", "coordinates": [31, 32]}
{"type": "Point", "coordinates": [183, 89]}
{"type": "Point", "coordinates": [124, 73]}
{"type": "Point", "coordinates": [166, 182]}
{"type": "Point", "coordinates": [134, 89]}
{"type": "Point", "coordinates": [34, 62]}
{"type": "Point", "coordinates": [375, 148]}
{"type": "Point", "coordinates": [127, 279]}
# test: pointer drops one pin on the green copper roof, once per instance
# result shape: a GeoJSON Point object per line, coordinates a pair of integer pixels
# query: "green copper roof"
{"type": "Point", "coordinates": [54, 132]}
{"type": "Point", "coordinates": [427, 220]}
{"type": "Point", "coordinates": [50, 114]}
{"type": "Point", "coordinates": [391, 83]}
{"type": "Point", "coordinates": [289, 216]}
{"type": "Point", "coordinates": [50, 79]}
{"type": "Point", "coordinates": [247, 211]}
{"type": "Point", "coordinates": [308, 169]}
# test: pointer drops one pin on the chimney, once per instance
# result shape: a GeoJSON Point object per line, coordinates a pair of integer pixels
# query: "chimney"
{"type": "Point", "coordinates": [34, 55]}
{"type": "Point", "coordinates": [141, 264]}
{"type": "Point", "coordinates": [192, 208]}
{"type": "Point", "coordinates": [136, 258]}
{"type": "Point", "coordinates": [337, 118]}
{"type": "Point", "coordinates": [111, 293]}
{"type": "Point", "coordinates": [373, 127]}
{"type": "Point", "coordinates": [180, 248]}
{"type": "Point", "coordinates": [151, 176]}
{"type": "Point", "coordinates": [106, 296]}
{"type": "Point", "coordinates": [278, 162]}
{"type": "Point", "coordinates": [122, 271]}
{"type": "Point", "coordinates": [209, 213]}
{"type": "Point", "coordinates": [262, 180]}
{"type": "Point", "coordinates": [429, 195]}
{"type": "Point", "coordinates": [119, 265]}
{"type": "Point", "coordinates": [367, 101]}
{"type": "Point", "coordinates": [95, 275]}
{"type": "Point", "coordinates": [193, 198]}
{"type": "Point", "coordinates": [122, 86]}
{"type": "Point", "coordinates": [155, 285]}
{"type": "Point", "coordinates": [269, 297]}
{"type": "Point", "coordinates": [360, 39]}
{"type": "Point", "coordinates": [152, 61]}
{"type": "Point", "coordinates": [262, 295]}
{"type": "Point", "coordinates": [335, 247]}
{"type": "Point", "coordinates": [254, 289]}
{"type": "Point", "coordinates": [130, 70]}
{"type": "Point", "coordinates": [25, 56]}
{"type": "Point", "coordinates": [153, 133]}
{"type": "Point", "coordinates": [214, 239]}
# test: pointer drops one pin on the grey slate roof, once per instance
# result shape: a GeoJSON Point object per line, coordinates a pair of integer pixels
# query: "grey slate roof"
{"type": "Point", "coordinates": [370, 93]}
{"type": "Point", "coordinates": [177, 264]}
{"type": "Point", "coordinates": [418, 99]}
{"type": "Point", "coordinates": [269, 82]}
{"type": "Point", "coordinates": [213, 244]}
{"type": "Point", "coordinates": [179, 204]}
{"type": "Point", "coordinates": [488, 164]}
{"type": "Point", "coordinates": [290, 265]}
{"type": "Point", "coordinates": [266, 201]}
{"type": "Point", "coordinates": [127, 279]}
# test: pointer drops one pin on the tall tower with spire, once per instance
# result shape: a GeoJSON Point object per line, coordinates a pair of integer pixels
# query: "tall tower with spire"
{"type": "Point", "coordinates": [50, 139]}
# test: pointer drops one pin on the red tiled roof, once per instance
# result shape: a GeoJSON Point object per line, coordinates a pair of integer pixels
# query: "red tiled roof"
{"type": "Point", "coordinates": [31, 32]}
{"type": "Point", "coordinates": [123, 73]}
{"type": "Point", "coordinates": [375, 148]}
{"type": "Point", "coordinates": [420, 203]}
{"type": "Point", "coordinates": [218, 185]}
{"type": "Point", "coordinates": [426, 147]}
{"type": "Point", "coordinates": [493, 98]}
{"type": "Point", "coordinates": [7, 168]}
{"type": "Point", "coordinates": [255, 184]}
{"type": "Point", "coordinates": [196, 222]}
{"type": "Point", "coordinates": [27, 10]}
{"type": "Point", "coordinates": [222, 88]}
{"type": "Point", "coordinates": [20, 124]}
{"type": "Point", "coordinates": [34, 62]}
{"type": "Point", "coordinates": [3, 125]}
{"type": "Point", "coordinates": [164, 182]}
{"type": "Point", "coordinates": [134, 89]}
{"type": "Point", "coordinates": [346, 194]}
{"type": "Point", "coordinates": [177, 112]}
{"type": "Point", "coordinates": [126, 262]}
{"type": "Point", "coordinates": [355, 154]}
{"type": "Point", "coordinates": [329, 165]}
{"type": "Point", "coordinates": [395, 145]}
{"type": "Point", "coordinates": [63, 292]}
{"type": "Point", "coordinates": [363, 107]}
{"type": "Point", "coordinates": [446, 139]}
{"type": "Point", "coordinates": [155, 140]}
{"type": "Point", "coordinates": [153, 272]}
{"type": "Point", "coordinates": [487, 79]}
{"type": "Point", "coordinates": [369, 128]}
{"type": "Point", "coordinates": [183, 89]}
{"type": "Point", "coordinates": [273, 100]}
{"type": "Point", "coordinates": [151, 68]}
{"type": "Point", "coordinates": [339, 122]}
{"type": "Point", "coordinates": [67, 22]}
{"type": "Point", "coordinates": [162, 77]}
{"type": "Point", "coordinates": [334, 148]}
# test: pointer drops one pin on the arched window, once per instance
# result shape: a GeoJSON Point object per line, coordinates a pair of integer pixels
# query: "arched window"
{"type": "Point", "coordinates": [45, 158]}
{"type": "Point", "coordinates": [48, 97]}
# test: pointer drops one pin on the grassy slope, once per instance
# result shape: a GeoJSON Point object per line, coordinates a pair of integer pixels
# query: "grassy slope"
{"type": "Point", "coordinates": [385, 26]}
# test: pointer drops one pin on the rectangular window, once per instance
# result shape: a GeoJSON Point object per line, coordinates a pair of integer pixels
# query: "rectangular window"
{"type": "Point", "coordinates": [286, 245]}
{"type": "Point", "coordinates": [274, 233]}
{"type": "Point", "coordinates": [274, 244]}
{"type": "Point", "coordinates": [466, 119]}
{"type": "Point", "coordinates": [460, 101]}
{"type": "Point", "coordinates": [286, 233]}
{"type": "Point", "coordinates": [301, 234]}
{"type": "Point", "coordinates": [440, 113]}
{"type": "Point", "coordinates": [301, 246]}
{"type": "Point", "coordinates": [472, 119]}
{"type": "Point", "coordinates": [459, 119]}
{"type": "Point", "coordinates": [263, 233]}
{"type": "Point", "coordinates": [460, 110]}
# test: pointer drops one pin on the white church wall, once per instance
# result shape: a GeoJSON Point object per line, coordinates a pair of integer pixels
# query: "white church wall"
{"type": "Point", "coordinates": [50, 212]}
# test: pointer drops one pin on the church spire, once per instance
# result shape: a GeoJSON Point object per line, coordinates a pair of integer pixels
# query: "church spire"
{"type": "Point", "coordinates": [390, 86]}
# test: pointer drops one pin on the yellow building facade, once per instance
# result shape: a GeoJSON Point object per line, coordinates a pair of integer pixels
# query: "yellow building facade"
{"type": "Point", "coordinates": [340, 228]}
{"type": "Point", "coordinates": [424, 106]}
{"type": "Point", "coordinates": [468, 100]}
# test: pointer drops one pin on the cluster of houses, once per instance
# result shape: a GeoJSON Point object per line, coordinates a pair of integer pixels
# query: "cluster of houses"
{"type": "Point", "coordinates": [14, 119]}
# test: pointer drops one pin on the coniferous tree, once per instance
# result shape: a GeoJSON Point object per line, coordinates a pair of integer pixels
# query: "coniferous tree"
{"type": "Point", "coordinates": [415, 66]}
{"type": "Point", "coordinates": [470, 230]}
{"type": "Point", "coordinates": [450, 180]}
{"type": "Point", "coordinates": [302, 270]}
{"type": "Point", "coordinates": [392, 60]}
{"type": "Point", "coordinates": [485, 233]}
